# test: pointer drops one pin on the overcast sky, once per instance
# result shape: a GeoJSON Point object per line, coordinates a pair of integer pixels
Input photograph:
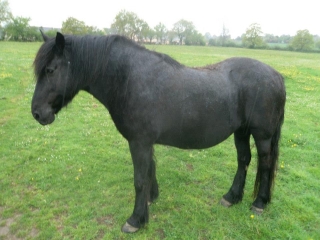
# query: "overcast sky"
{"type": "Point", "coordinates": [274, 16]}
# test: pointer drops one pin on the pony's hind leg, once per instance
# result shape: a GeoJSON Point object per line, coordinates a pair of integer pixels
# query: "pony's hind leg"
{"type": "Point", "coordinates": [235, 194]}
{"type": "Point", "coordinates": [154, 191]}
{"type": "Point", "coordinates": [265, 172]}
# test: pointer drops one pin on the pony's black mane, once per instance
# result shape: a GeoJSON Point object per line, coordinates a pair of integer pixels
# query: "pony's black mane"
{"type": "Point", "coordinates": [166, 58]}
{"type": "Point", "coordinates": [91, 49]}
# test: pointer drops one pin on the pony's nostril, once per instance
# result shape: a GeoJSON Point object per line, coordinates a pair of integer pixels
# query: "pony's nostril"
{"type": "Point", "coordinates": [36, 115]}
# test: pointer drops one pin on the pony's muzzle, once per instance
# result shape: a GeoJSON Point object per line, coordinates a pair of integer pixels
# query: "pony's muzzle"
{"type": "Point", "coordinates": [36, 115]}
{"type": "Point", "coordinates": [43, 117]}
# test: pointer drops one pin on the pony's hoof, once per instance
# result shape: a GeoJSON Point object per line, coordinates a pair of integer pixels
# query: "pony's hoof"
{"type": "Point", "coordinates": [127, 228]}
{"type": "Point", "coordinates": [256, 210]}
{"type": "Point", "coordinates": [225, 203]}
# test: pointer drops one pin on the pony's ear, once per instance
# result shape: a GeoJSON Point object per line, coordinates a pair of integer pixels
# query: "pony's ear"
{"type": "Point", "coordinates": [45, 37]}
{"type": "Point", "coordinates": [60, 41]}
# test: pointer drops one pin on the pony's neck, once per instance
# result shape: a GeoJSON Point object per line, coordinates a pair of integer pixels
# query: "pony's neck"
{"type": "Point", "coordinates": [104, 68]}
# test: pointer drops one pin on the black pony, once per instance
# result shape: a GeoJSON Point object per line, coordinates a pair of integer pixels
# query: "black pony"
{"type": "Point", "coordinates": [153, 99]}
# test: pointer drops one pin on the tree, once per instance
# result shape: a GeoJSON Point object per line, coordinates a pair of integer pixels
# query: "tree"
{"type": "Point", "coordinates": [110, 31]}
{"type": "Point", "coordinates": [95, 31]}
{"type": "Point", "coordinates": [171, 35]}
{"type": "Point", "coordinates": [183, 28]}
{"type": "Point", "coordinates": [50, 33]}
{"type": "Point", "coordinates": [212, 42]}
{"type": "Point", "coordinates": [142, 29]}
{"type": "Point", "coordinates": [207, 36]}
{"type": "Point", "coordinates": [19, 30]}
{"type": "Point", "coordinates": [5, 13]}
{"type": "Point", "coordinates": [285, 38]}
{"type": "Point", "coordinates": [302, 41]}
{"type": "Point", "coordinates": [195, 38]}
{"type": "Point", "coordinates": [161, 32]}
{"type": "Point", "coordinates": [33, 34]}
{"type": "Point", "coordinates": [225, 36]}
{"type": "Point", "coordinates": [151, 34]}
{"type": "Point", "coordinates": [270, 38]}
{"type": "Point", "coordinates": [252, 38]}
{"type": "Point", "coordinates": [126, 24]}
{"type": "Point", "coordinates": [316, 40]}
{"type": "Point", "coordinates": [74, 26]}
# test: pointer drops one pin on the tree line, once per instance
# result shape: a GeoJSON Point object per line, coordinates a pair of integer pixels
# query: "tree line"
{"type": "Point", "coordinates": [130, 25]}
{"type": "Point", "coordinates": [182, 32]}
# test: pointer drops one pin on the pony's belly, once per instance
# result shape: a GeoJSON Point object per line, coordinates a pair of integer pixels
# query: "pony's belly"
{"type": "Point", "coordinates": [193, 140]}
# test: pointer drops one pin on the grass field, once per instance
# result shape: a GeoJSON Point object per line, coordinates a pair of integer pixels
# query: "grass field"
{"type": "Point", "coordinates": [74, 178]}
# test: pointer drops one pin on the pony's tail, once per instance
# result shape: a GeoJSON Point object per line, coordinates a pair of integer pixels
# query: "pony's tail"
{"type": "Point", "coordinates": [274, 155]}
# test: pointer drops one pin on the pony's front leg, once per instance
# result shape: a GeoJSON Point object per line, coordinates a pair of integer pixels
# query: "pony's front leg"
{"type": "Point", "coordinates": [141, 154]}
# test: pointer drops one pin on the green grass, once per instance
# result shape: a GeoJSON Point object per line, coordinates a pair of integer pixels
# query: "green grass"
{"type": "Point", "coordinates": [74, 178]}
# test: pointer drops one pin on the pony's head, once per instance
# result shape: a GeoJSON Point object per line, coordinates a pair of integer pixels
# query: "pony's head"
{"type": "Point", "coordinates": [53, 84]}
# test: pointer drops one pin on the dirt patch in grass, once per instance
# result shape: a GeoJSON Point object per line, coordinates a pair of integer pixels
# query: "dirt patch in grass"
{"type": "Point", "coordinates": [190, 167]}
{"type": "Point", "coordinates": [161, 233]}
{"type": "Point", "coordinates": [107, 220]}
{"type": "Point", "coordinates": [5, 225]}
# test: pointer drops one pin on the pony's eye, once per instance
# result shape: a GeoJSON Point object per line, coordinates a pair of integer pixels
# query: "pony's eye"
{"type": "Point", "coordinates": [49, 70]}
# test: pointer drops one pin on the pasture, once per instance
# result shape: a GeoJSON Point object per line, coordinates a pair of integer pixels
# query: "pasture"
{"type": "Point", "coordinates": [74, 179]}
